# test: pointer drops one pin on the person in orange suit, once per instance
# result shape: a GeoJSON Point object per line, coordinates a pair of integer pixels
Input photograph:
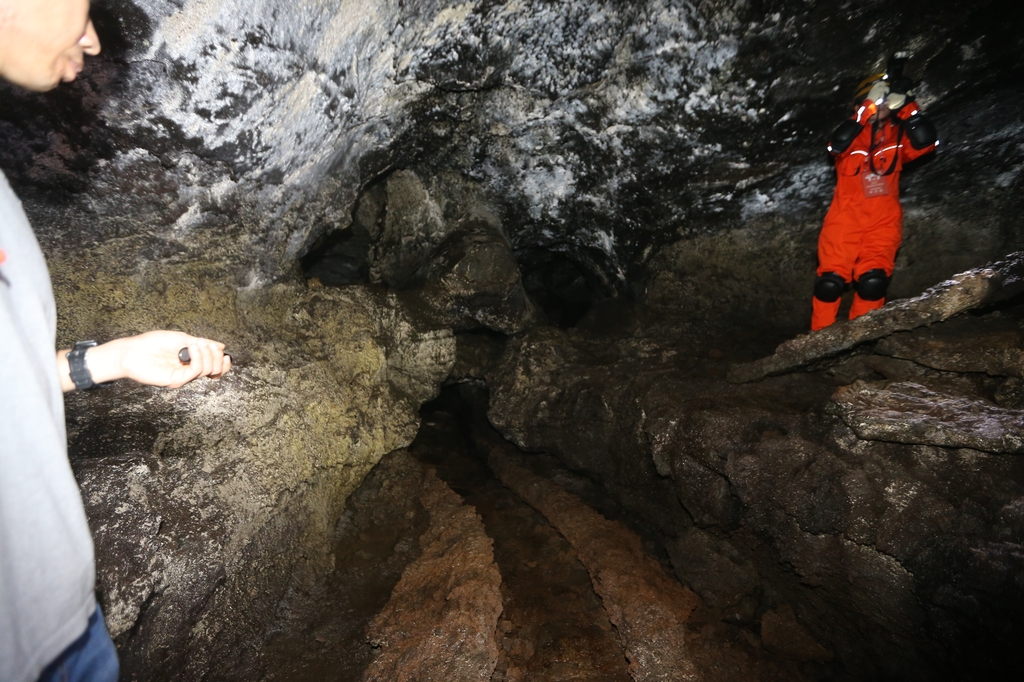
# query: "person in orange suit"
{"type": "Point", "coordinates": [864, 225]}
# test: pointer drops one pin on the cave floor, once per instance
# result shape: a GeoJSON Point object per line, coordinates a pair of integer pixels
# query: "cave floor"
{"type": "Point", "coordinates": [560, 615]}
{"type": "Point", "coordinates": [553, 625]}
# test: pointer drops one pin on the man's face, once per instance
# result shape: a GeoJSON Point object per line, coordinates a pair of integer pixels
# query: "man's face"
{"type": "Point", "coordinates": [45, 42]}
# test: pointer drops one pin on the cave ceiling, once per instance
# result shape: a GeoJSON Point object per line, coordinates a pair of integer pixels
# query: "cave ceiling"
{"type": "Point", "coordinates": [241, 132]}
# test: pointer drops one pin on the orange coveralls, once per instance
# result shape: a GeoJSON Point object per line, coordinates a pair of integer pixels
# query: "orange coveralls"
{"type": "Point", "coordinates": [862, 232]}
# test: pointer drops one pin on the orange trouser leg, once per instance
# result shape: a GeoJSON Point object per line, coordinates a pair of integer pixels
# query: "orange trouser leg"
{"type": "Point", "coordinates": [878, 250]}
{"type": "Point", "coordinates": [839, 244]}
{"type": "Point", "coordinates": [823, 314]}
{"type": "Point", "coordinates": [858, 235]}
{"type": "Point", "coordinates": [860, 306]}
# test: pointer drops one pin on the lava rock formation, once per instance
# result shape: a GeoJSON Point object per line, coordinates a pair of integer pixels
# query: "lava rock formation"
{"type": "Point", "coordinates": [605, 212]}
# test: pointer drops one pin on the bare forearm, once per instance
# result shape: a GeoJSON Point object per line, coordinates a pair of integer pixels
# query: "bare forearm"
{"type": "Point", "coordinates": [150, 358]}
{"type": "Point", "coordinates": [104, 362]}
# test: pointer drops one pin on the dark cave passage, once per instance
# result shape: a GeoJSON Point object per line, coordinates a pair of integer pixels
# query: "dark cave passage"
{"type": "Point", "coordinates": [553, 626]}
{"type": "Point", "coordinates": [339, 258]}
{"type": "Point", "coordinates": [754, 615]}
{"type": "Point", "coordinates": [563, 289]}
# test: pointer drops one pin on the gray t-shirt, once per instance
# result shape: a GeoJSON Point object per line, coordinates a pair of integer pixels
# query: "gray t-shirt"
{"type": "Point", "coordinates": [47, 570]}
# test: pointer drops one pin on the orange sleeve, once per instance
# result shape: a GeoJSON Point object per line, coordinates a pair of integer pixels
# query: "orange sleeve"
{"type": "Point", "coordinates": [909, 153]}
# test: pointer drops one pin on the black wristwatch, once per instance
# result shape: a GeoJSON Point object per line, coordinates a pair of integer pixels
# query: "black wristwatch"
{"type": "Point", "coordinates": [79, 372]}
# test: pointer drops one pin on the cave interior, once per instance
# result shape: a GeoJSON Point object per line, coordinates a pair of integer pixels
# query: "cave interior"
{"type": "Point", "coordinates": [518, 296]}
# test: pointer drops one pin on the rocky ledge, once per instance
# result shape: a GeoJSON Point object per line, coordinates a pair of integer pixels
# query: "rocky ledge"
{"type": "Point", "coordinates": [874, 500]}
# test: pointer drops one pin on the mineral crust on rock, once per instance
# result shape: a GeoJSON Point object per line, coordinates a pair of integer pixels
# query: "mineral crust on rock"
{"type": "Point", "coordinates": [904, 412]}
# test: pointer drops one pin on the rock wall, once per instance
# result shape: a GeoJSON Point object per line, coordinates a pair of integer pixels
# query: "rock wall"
{"type": "Point", "coordinates": [209, 504]}
{"type": "Point", "coordinates": [871, 505]}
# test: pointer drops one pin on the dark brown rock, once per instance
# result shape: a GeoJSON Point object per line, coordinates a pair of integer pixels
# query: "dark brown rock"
{"type": "Point", "coordinates": [1010, 394]}
{"type": "Point", "coordinates": [722, 575]}
{"type": "Point", "coordinates": [473, 281]}
{"type": "Point", "coordinates": [905, 412]}
{"type": "Point", "coordinates": [475, 356]}
{"type": "Point", "coordinates": [962, 347]}
{"type": "Point", "coordinates": [648, 608]}
{"type": "Point", "coordinates": [781, 632]}
{"type": "Point", "coordinates": [553, 625]}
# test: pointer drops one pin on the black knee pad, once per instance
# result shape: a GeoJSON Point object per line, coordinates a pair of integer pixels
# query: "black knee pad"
{"type": "Point", "coordinates": [829, 287]}
{"type": "Point", "coordinates": [872, 285]}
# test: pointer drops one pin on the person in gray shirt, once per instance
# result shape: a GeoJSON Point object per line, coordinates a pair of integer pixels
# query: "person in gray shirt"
{"type": "Point", "coordinates": [50, 625]}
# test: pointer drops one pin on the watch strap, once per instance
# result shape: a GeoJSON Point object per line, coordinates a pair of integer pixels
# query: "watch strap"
{"type": "Point", "coordinates": [79, 370]}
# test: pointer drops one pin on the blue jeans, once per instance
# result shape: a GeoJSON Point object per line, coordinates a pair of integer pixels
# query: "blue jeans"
{"type": "Point", "coordinates": [90, 658]}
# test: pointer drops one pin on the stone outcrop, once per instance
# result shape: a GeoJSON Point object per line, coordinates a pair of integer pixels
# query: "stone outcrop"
{"type": "Point", "coordinates": [999, 351]}
{"type": "Point", "coordinates": [209, 501]}
{"type": "Point", "coordinates": [965, 291]}
{"type": "Point", "coordinates": [451, 250]}
{"type": "Point", "coordinates": [905, 412]}
{"type": "Point", "coordinates": [876, 555]}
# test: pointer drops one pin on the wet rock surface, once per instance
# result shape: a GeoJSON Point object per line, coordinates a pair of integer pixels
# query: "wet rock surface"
{"type": "Point", "coordinates": [865, 552]}
{"type": "Point", "coordinates": [209, 502]}
{"type": "Point", "coordinates": [956, 347]}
